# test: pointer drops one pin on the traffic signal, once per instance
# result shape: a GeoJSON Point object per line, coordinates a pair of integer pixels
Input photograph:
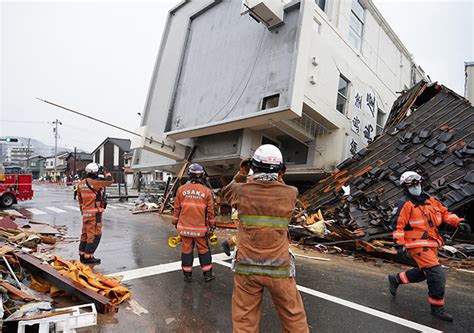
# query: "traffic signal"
{"type": "Point", "coordinates": [9, 139]}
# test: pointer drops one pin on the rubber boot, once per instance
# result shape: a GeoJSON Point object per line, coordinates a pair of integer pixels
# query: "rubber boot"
{"type": "Point", "coordinates": [226, 247]}
{"type": "Point", "coordinates": [92, 260]}
{"type": "Point", "coordinates": [393, 281]}
{"type": "Point", "coordinates": [440, 312]}
{"type": "Point", "coordinates": [188, 276]}
{"type": "Point", "coordinates": [208, 276]}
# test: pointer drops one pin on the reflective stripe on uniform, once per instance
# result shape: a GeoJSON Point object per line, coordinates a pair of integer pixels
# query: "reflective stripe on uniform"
{"type": "Point", "coordinates": [279, 272]}
{"type": "Point", "coordinates": [415, 222]}
{"type": "Point", "coordinates": [193, 204]}
{"type": "Point", "coordinates": [193, 228]}
{"type": "Point", "coordinates": [274, 262]}
{"type": "Point", "coordinates": [187, 268]}
{"type": "Point", "coordinates": [403, 277]}
{"type": "Point", "coordinates": [451, 217]}
{"type": "Point", "coordinates": [436, 302]}
{"type": "Point", "coordinates": [398, 234]}
{"type": "Point", "coordinates": [421, 243]}
{"type": "Point", "coordinates": [206, 268]}
{"type": "Point", "coordinates": [264, 221]}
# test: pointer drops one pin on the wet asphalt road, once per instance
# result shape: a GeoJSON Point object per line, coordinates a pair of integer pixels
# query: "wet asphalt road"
{"type": "Point", "coordinates": [131, 242]}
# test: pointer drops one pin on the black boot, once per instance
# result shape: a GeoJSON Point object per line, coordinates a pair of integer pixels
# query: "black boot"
{"type": "Point", "coordinates": [226, 247]}
{"type": "Point", "coordinates": [90, 260]}
{"type": "Point", "coordinates": [393, 281]}
{"type": "Point", "coordinates": [188, 278]}
{"type": "Point", "coordinates": [208, 276]}
{"type": "Point", "coordinates": [440, 312]}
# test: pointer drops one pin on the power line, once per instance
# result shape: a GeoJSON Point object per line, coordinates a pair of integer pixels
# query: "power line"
{"type": "Point", "coordinates": [163, 144]}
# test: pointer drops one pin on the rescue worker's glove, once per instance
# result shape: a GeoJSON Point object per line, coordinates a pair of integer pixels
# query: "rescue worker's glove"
{"type": "Point", "coordinates": [464, 227]}
{"type": "Point", "coordinates": [244, 168]}
{"type": "Point", "coordinates": [402, 252]}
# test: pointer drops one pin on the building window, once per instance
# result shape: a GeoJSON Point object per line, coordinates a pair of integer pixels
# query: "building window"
{"type": "Point", "coordinates": [356, 24]}
{"type": "Point", "coordinates": [342, 92]}
{"type": "Point", "coordinates": [321, 4]}
{"type": "Point", "coordinates": [33, 164]}
{"type": "Point", "coordinates": [270, 102]}
{"type": "Point", "coordinates": [380, 122]}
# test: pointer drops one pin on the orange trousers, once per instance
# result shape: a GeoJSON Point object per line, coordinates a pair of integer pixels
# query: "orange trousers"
{"type": "Point", "coordinates": [91, 234]}
{"type": "Point", "coordinates": [425, 258]}
{"type": "Point", "coordinates": [247, 303]}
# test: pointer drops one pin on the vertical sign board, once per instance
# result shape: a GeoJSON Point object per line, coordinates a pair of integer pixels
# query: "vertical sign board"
{"type": "Point", "coordinates": [363, 108]}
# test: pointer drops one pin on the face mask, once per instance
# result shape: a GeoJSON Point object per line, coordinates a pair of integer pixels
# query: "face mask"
{"type": "Point", "coordinates": [415, 190]}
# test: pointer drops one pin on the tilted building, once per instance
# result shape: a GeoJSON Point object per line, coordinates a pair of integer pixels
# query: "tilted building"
{"type": "Point", "coordinates": [316, 78]}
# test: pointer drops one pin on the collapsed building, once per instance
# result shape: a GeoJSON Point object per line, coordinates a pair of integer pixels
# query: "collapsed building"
{"type": "Point", "coordinates": [306, 76]}
{"type": "Point", "coordinates": [430, 131]}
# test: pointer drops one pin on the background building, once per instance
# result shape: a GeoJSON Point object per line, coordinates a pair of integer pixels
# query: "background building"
{"type": "Point", "coordinates": [18, 153]}
{"type": "Point", "coordinates": [318, 83]}
{"type": "Point", "coordinates": [58, 172]}
{"type": "Point", "coordinates": [110, 154]}
{"type": "Point", "coordinates": [76, 163]}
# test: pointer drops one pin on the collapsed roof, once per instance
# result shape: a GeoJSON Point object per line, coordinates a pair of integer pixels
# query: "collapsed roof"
{"type": "Point", "coordinates": [431, 131]}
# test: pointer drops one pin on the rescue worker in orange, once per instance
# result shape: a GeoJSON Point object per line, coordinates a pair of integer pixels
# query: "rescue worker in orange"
{"type": "Point", "coordinates": [244, 175]}
{"type": "Point", "coordinates": [416, 234]}
{"type": "Point", "coordinates": [262, 258]}
{"type": "Point", "coordinates": [91, 197]}
{"type": "Point", "coordinates": [194, 222]}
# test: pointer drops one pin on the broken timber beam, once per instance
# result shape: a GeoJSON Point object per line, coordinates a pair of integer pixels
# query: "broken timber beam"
{"type": "Point", "coordinates": [71, 287]}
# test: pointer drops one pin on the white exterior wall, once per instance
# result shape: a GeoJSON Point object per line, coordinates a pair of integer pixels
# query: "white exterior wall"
{"type": "Point", "coordinates": [101, 155]}
{"type": "Point", "coordinates": [382, 67]}
{"type": "Point", "coordinates": [116, 155]}
{"type": "Point", "coordinates": [469, 85]}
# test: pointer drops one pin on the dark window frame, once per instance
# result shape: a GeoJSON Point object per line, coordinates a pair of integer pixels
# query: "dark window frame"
{"type": "Point", "coordinates": [359, 17]}
{"type": "Point", "coordinates": [344, 96]}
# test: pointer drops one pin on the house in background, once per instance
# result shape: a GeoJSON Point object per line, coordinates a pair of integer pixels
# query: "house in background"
{"type": "Point", "coordinates": [76, 163]}
{"type": "Point", "coordinates": [319, 84]}
{"type": "Point", "coordinates": [58, 172]}
{"type": "Point", "coordinates": [35, 165]}
{"type": "Point", "coordinates": [110, 154]}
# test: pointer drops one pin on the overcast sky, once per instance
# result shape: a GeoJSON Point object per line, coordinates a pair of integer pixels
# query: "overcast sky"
{"type": "Point", "coordinates": [98, 57]}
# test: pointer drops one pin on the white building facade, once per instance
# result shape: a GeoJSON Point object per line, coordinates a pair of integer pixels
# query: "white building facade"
{"type": "Point", "coordinates": [319, 85]}
{"type": "Point", "coordinates": [18, 153]}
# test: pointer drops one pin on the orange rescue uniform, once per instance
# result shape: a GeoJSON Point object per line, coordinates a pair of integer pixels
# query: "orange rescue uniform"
{"type": "Point", "coordinates": [417, 222]}
{"type": "Point", "coordinates": [90, 194]}
{"type": "Point", "coordinates": [263, 260]}
{"type": "Point", "coordinates": [193, 215]}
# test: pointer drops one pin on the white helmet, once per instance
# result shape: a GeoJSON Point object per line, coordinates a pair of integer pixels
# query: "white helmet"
{"type": "Point", "coordinates": [267, 158]}
{"type": "Point", "coordinates": [410, 178]}
{"type": "Point", "coordinates": [92, 168]}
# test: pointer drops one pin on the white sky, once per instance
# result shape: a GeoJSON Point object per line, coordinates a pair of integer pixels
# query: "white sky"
{"type": "Point", "coordinates": [98, 58]}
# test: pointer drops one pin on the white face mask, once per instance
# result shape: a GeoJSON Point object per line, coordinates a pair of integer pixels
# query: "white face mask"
{"type": "Point", "coordinates": [415, 190]}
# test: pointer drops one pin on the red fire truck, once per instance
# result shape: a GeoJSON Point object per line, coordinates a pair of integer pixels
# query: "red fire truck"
{"type": "Point", "coordinates": [14, 186]}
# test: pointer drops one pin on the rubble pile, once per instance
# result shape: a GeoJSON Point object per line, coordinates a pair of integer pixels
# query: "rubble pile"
{"type": "Point", "coordinates": [31, 277]}
{"type": "Point", "coordinates": [430, 131]}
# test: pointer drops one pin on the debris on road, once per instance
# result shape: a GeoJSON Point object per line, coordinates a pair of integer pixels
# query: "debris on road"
{"type": "Point", "coordinates": [430, 131]}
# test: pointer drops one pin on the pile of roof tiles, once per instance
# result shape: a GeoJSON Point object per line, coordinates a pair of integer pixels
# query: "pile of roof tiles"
{"type": "Point", "coordinates": [430, 131]}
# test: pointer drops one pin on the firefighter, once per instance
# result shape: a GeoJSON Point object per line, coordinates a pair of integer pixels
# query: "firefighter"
{"type": "Point", "coordinates": [262, 259]}
{"type": "Point", "coordinates": [245, 173]}
{"type": "Point", "coordinates": [194, 222]}
{"type": "Point", "coordinates": [91, 197]}
{"type": "Point", "coordinates": [416, 234]}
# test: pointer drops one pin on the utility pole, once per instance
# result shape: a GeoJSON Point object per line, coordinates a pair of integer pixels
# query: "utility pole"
{"type": "Point", "coordinates": [55, 130]}
{"type": "Point", "coordinates": [28, 155]}
{"type": "Point", "coordinates": [74, 162]}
